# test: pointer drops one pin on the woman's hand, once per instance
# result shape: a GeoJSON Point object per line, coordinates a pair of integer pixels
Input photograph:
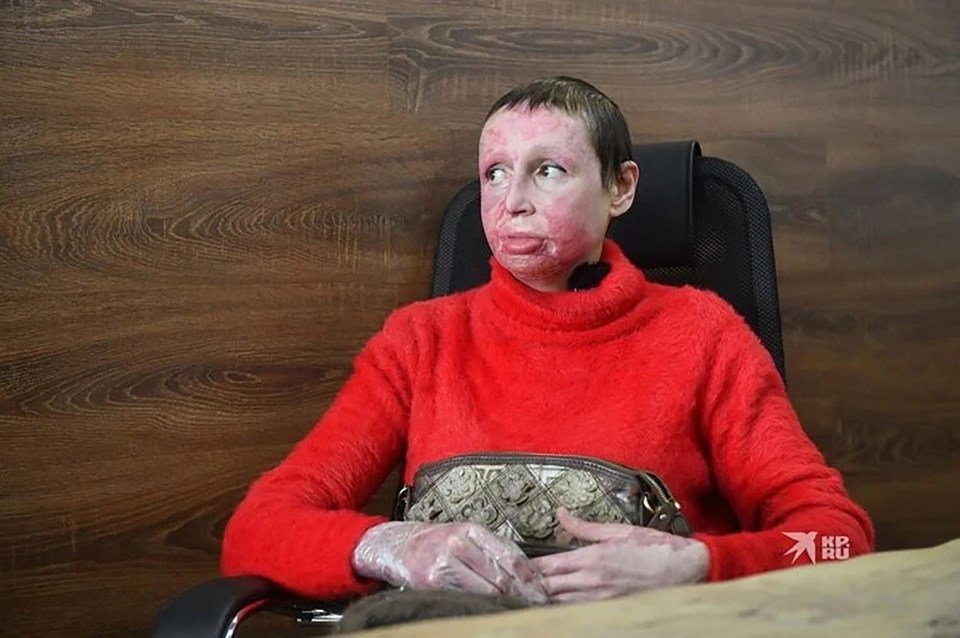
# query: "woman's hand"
{"type": "Point", "coordinates": [459, 556]}
{"type": "Point", "coordinates": [623, 559]}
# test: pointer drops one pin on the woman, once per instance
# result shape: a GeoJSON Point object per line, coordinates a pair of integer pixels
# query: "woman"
{"type": "Point", "coordinates": [568, 350]}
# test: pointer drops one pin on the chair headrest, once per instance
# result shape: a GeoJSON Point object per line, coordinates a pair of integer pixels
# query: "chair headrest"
{"type": "Point", "coordinates": [657, 231]}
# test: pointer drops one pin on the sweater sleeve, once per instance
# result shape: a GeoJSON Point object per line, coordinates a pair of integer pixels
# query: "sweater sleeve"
{"type": "Point", "coordinates": [298, 523]}
{"type": "Point", "coordinates": [765, 465]}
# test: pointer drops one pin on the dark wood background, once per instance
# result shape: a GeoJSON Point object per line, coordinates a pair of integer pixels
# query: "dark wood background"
{"type": "Point", "coordinates": [207, 208]}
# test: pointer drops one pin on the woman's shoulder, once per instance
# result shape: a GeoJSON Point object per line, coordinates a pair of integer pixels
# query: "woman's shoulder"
{"type": "Point", "coordinates": [690, 304]}
{"type": "Point", "coordinates": [429, 315]}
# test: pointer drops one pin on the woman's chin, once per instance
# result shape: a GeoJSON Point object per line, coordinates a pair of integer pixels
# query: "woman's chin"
{"type": "Point", "coordinates": [537, 271]}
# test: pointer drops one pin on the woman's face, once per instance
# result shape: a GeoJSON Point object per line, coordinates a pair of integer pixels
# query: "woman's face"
{"type": "Point", "coordinates": [543, 205]}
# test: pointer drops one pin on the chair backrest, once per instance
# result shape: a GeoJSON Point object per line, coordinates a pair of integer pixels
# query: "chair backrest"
{"type": "Point", "coordinates": [696, 220]}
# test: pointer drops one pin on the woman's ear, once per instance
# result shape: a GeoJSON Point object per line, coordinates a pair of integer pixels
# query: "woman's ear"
{"type": "Point", "coordinates": [624, 189]}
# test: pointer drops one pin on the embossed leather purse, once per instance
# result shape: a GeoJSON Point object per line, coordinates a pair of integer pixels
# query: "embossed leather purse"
{"type": "Point", "coordinates": [516, 495]}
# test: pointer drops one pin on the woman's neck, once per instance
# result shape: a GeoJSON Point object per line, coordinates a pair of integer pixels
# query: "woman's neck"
{"type": "Point", "coordinates": [595, 295]}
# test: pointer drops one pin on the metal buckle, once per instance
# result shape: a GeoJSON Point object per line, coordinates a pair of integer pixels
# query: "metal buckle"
{"type": "Point", "coordinates": [315, 617]}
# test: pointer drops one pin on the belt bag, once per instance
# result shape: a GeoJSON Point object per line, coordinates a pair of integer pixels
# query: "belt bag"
{"type": "Point", "coordinates": [516, 495]}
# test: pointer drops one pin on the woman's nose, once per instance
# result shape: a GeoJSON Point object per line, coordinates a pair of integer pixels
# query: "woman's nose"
{"type": "Point", "coordinates": [517, 201]}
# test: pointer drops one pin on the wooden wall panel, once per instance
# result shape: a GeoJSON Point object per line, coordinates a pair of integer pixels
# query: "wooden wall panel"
{"type": "Point", "coordinates": [207, 208]}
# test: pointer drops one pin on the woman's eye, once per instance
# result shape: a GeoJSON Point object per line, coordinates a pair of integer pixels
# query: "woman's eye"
{"type": "Point", "coordinates": [495, 175]}
{"type": "Point", "coordinates": [550, 170]}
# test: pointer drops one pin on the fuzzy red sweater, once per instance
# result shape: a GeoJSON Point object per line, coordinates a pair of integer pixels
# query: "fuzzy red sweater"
{"type": "Point", "coordinates": [663, 378]}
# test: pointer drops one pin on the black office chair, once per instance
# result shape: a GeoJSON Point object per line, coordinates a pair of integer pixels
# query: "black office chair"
{"type": "Point", "coordinates": [695, 220]}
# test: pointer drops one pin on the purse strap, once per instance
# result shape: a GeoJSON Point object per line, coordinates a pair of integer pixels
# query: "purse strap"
{"type": "Point", "coordinates": [665, 514]}
{"type": "Point", "coordinates": [401, 503]}
{"type": "Point", "coordinates": [669, 518]}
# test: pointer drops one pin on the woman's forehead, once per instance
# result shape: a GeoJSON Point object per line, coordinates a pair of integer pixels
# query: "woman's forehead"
{"type": "Point", "coordinates": [546, 126]}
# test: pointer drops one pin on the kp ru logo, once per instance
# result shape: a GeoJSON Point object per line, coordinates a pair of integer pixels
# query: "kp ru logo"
{"type": "Point", "coordinates": [831, 547]}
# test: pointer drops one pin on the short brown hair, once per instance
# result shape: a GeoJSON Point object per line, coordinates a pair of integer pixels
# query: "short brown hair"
{"type": "Point", "coordinates": [605, 124]}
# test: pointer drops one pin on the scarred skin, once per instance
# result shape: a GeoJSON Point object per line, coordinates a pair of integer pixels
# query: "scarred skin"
{"type": "Point", "coordinates": [544, 207]}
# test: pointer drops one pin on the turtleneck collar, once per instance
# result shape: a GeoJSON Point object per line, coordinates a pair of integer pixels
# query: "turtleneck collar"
{"type": "Point", "coordinates": [616, 294]}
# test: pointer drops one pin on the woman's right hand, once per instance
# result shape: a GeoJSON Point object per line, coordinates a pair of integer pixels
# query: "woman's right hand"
{"type": "Point", "coordinates": [461, 556]}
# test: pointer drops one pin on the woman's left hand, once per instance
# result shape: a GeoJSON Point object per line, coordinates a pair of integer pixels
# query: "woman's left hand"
{"type": "Point", "coordinates": [623, 559]}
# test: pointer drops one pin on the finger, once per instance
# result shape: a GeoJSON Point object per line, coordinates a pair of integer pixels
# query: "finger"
{"type": "Point", "coordinates": [576, 582]}
{"type": "Point", "coordinates": [580, 596]}
{"type": "Point", "coordinates": [585, 530]}
{"type": "Point", "coordinates": [528, 585]}
{"type": "Point", "coordinates": [515, 576]}
{"type": "Point", "coordinates": [503, 552]}
{"type": "Point", "coordinates": [510, 574]}
{"type": "Point", "coordinates": [487, 541]}
{"type": "Point", "coordinates": [532, 591]}
{"type": "Point", "coordinates": [574, 560]}
{"type": "Point", "coordinates": [602, 591]}
{"type": "Point", "coordinates": [465, 550]}
{"type": "Point", "coordinates": [458, 576]}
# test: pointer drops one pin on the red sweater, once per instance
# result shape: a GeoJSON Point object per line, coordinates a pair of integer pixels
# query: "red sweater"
{"type": "Point", "coordinates": [663, 378]}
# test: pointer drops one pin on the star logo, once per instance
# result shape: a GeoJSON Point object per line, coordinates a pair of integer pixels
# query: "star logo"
{"type": "Point", "coordinates": [804, 543]}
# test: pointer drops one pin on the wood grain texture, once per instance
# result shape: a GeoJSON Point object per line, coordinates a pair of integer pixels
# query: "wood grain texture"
{"type": "Point", "coordinates": [207, 208]}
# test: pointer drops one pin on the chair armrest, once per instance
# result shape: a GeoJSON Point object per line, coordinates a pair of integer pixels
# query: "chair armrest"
{"type": "Point", "coordinates": [213, 609]}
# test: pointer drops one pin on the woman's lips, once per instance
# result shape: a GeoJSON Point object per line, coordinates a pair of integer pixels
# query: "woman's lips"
{"type": "Point", "coordinates": [521, 244]}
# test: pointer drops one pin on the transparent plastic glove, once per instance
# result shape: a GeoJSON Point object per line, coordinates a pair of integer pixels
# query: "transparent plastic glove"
{"type": "Point", "coordinates": [623, 559]}
{"type": "Point", "coordinates": [459, 556]}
